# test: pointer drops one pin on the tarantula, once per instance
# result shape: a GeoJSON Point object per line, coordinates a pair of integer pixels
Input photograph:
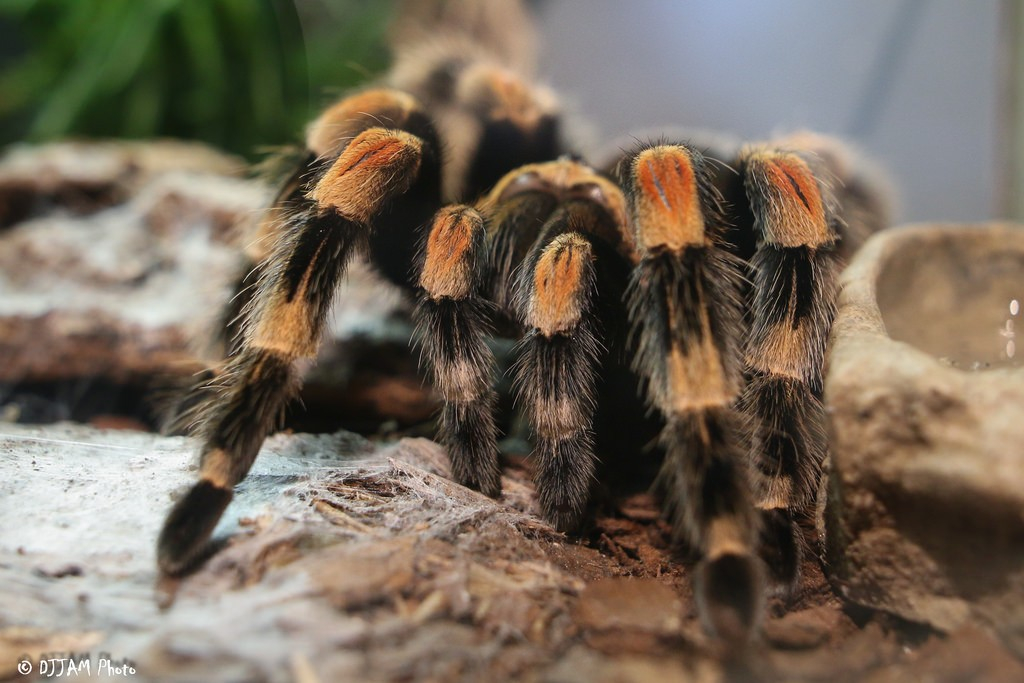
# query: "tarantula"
{"type": "Point", "coordinates": [683, 290]}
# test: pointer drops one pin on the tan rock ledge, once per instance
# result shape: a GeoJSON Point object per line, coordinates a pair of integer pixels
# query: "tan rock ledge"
{"type": "Point", "coordinates": [926, 392]}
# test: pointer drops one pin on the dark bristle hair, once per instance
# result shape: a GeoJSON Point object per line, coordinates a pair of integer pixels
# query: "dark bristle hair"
{"type": "Point", "coordinates": [555, 385]}
{"type": "Point", "coordinates": [286, 168]}
{"type": "Point", "coordinates": [258, 385]}
{"type": "Point", "coordinates": [794, 287]}
{"type": "Point", "coordinates": [314, 248]}
{"type": "Point", "coordinates": [229, 328]}
{"type": "Point", "coordinates": [704, 475]}
{"type": "Point", "coordinates": [317, 243]}
{"type": "Point", "coordinates": [453, 332]}
{"type": "Point", "coordinates": [788, 440]}
{"type": "Point", "coordinates": [189, 404]}
{"type": "Point", "coordinates": [468, 430]}
{"type": "Point", "coordinates": [730, 597]}
{"type": "Point", "coordinates": [782, 548]}
{"type": "Point", "coordinates": [503, 146]}
{"type": "Point", "coordinates": [439, 85]}
{"type": "Point", "coordinates": [564, 474]}
{"type": "Point", "coordinates": [188, 527]}
{"type": "Point", "coordinates": [666, 295]}
{"type": "Point", "coordinates": [452, 337]}
{"type": "Point", "coordinates": [559, 368]}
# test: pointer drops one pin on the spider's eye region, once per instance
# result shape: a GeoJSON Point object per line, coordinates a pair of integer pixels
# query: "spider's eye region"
{"type": "Point", "coordinates": [589, 191]}
{"type": "Point", "coordinates": [526, 182]}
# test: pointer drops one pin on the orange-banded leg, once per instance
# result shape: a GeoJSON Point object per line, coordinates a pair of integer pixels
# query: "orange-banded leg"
{"type": "Point", "coordinates": [685, 309]}
{"type": "Point", "coordinates": [364, 183]}
{"type": "Point", "coordinates": [326, 138]}
{"type": "Point", "coordinates": [227, 336]}
{"type": "Point", "coordinates": [794, 272]}
{"type": "Point", "coordinates": [556, 372]}
{"type": "Point", "coordinates": [452, 321]}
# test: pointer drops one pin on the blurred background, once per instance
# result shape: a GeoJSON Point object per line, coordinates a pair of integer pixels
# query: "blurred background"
{"type": "Point", "coordinates": [239, 74]}
{"type": "Point", "coordinates": [930, 88]}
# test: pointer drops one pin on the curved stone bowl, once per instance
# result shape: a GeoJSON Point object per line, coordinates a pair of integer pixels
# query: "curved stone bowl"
{"type": "Point", "coordinates": [925, 387]}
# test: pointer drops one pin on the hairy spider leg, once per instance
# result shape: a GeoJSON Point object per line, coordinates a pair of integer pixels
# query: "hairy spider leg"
{"type": "Point", "coordinates": [227, 330]}
{"type": "Point", "coordinates": [325, 139]}
{"type": "Point", "coordinates": [556, 372]}
{"type": "Point", "coordinates": [453, 323]}
{"type": "Point", "coordinates": [793, 272]}
{"type": "Point", "coordinates": [685, 305]}
{"type": "Point", "coordinates": [374, 180]}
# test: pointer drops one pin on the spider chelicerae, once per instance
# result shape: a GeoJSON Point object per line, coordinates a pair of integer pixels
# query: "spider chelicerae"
{"type": "Point", "coordinates": [674, 302]}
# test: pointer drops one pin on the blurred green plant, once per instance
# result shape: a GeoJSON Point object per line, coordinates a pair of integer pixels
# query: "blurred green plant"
{"type": "Point", "coordinates": [239, 74]}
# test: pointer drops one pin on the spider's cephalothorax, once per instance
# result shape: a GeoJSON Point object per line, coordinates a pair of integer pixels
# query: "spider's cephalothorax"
{"type": "Point", "coordinates": [688, 295]}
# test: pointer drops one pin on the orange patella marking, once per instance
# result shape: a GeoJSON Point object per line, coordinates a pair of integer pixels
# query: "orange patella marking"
{"type": "Point", "coordinates": [559, 284]}
{"type": "Point", "coordinates": [796, 212]}
{"type": "Point", "coordinates": [667, 205]}
{"type": "Point", "coordinates": [447, 268]}
{"type": "Point", "coordinates": [379, 163]}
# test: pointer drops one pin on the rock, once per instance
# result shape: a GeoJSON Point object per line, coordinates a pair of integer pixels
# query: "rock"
{"type": "Point", "coordinates": [967, 654]}
{"type": "Point", "coordinates": [85, 177]}
{"type": "Point", "coordinates": [804, 629]}
{"type": "Point", "coordinates": [629, 615]}
{"type": "Point", "coordinates": [354, 560]}
{"type": "Point", "coordinates": [925, 391]}
{"type": "Point", "coordinates": [344, 559]}
{"type": "Point", "coordinates": [865, 650]}
{"type": "Point", "coordinates": [109, 288]}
